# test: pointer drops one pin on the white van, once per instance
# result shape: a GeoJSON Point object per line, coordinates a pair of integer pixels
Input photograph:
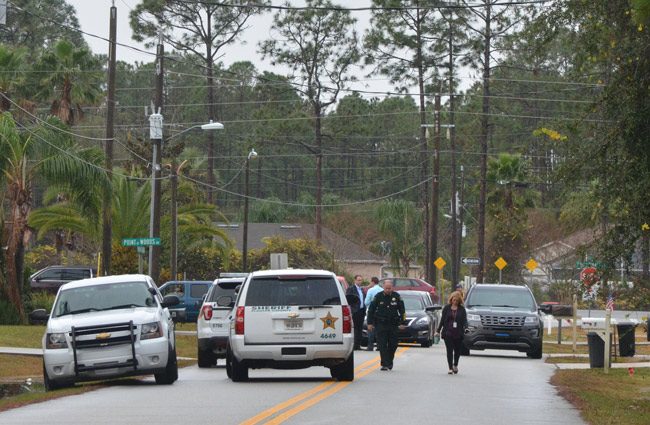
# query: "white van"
{"type": "Point", "coordinates": [291, 319]}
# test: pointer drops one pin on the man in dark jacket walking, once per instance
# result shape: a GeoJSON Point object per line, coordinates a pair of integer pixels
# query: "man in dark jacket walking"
{"type": "Point", "coordinates": [387, 313]}
{"type": "Point", "coordinates": [358, 309]}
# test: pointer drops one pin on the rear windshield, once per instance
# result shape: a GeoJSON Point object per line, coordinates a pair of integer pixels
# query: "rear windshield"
{"type": "Point", "coordinates": [221, 289]}
{"type": "Point", "coordinates": [103, 297]}
{"type": "Point", "coordinates": [412, 303]}
{"type": "Point", "coordinates": [501, 297]}
{"type": "Point", "coordinates": [310, 290]}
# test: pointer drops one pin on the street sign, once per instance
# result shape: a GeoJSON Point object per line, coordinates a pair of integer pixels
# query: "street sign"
{"type": "Point", "coordinates": [531, 265]}
{"type": "Point", "coordinates": [440, 263]}
{"type": "Point", "coordinates": [141, 242]}
{"type": "Point", "coordinates": [500, 263]}
{"type": "Point", "coordinates": [471, 261]}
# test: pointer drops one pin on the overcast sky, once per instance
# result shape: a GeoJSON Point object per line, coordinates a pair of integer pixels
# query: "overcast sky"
{"type": "Point", "coordinates": [93, 18]}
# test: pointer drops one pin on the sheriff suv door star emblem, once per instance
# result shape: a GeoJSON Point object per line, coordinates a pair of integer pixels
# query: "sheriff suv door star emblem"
{"type": "Point", "coordinates": [329, 320]}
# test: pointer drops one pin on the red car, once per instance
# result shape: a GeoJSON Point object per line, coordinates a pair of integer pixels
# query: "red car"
{"type": "Point", "coordinates": [411, 284]}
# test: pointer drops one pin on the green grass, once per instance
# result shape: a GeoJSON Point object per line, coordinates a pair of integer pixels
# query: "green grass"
{"type": "Point", "coordinates": [21, 336]}
{"type": "Point", "coordinates": [572, 359]}
{"type": "Point", "coordinates": [614, 398]}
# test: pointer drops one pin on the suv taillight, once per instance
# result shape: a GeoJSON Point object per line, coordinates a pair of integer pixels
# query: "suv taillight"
{"type": "Point", "coordinates": [347, 319]}
{"type": "Point", "coordinates": [206, 312]}
{"type": "Point", "coordinates": [239, 321]}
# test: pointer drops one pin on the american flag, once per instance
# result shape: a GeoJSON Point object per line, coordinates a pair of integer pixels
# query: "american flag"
{"type": "Point", "coordinates": [610, 303]}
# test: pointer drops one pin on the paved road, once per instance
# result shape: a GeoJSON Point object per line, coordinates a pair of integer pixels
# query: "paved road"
{"type": "Point", "coordinates": [491, 388]}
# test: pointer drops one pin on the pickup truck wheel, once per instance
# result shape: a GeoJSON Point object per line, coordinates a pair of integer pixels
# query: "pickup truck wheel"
{"type": "Point", "coordinates": [426, 344]}
{"type": "Point", "coordinates": [206, 358]}
{"type": "Point", "coordinates": [170, 375]}
{"type": "Point", "coordinates": [464, 351]}
{"type": "Point", "coordinates": [235, 370]}
{"type": "Point", "coordinates": [345, 370]}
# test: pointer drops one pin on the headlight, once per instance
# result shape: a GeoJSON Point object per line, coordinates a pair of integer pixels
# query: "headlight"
{"type": "Point", "coordinates": [151, 330]}
{"type": "Point", "coordinates": [422, 321]}
{"type": "Point", "coordinates": [473, 318]}
{"type": "Point", "coordinates": [531, 320]}
{"type": "Point", "coordinates": [55, 340]}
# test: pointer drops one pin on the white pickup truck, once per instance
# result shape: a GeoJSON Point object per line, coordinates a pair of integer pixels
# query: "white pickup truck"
{"type": "Point", "coordinates": [109, 327]}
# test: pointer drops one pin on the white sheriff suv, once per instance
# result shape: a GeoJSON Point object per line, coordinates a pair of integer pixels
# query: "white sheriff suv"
{"type": "Point", "coordinates": [109, 327]}
{"type": "Point", "coordinates": [291, 319]}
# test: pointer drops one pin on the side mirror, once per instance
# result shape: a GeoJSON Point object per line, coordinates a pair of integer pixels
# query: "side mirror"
{"type": "Point", "coordinates": [237, 289]}
{"type": "Point", "coordinates": [40, 315]}
{"type": "Point", "coordinates": [434, 307]}
{"type": "Point", "coordinates": [546, 308]}
{"type": "Point", "coordinates": [353, 299]}
{"type": "Point", "coordinates": [225, 301]}
{"type": "Point", "coordinates": [170, 301]}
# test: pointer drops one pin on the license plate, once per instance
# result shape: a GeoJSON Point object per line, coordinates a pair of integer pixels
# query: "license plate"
{"type": "Point", "coordinates": [293, 324]}
{"type": "Point", "coordinates": [216, 325]}
{"type": "Point", "coordinates": [173, 313]}
{"type": "Point", "coordinates": [503, 335]}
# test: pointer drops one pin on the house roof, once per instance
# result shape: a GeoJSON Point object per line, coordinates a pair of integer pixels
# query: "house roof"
{"type": "Point", "coordinates": [559, 249]}
{"type": "Point", "coordinates": [343, 249]}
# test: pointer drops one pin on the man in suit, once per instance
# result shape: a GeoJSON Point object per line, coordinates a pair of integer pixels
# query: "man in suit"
{"type": "Point", "coordinates": [358, 309]}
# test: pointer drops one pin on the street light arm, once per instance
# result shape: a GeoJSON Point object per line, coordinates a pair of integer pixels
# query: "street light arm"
{"type": "Point", "coordinates": [209, 126]}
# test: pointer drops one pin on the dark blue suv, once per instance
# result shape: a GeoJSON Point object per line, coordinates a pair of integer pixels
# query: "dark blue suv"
{"type": "Point", "coordinates": [190, 293]}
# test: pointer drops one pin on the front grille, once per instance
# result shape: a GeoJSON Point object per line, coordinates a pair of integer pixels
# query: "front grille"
{"type": "Point", "coordinates": [89, 335]}
{"type": "Point", "coordinates": [89, 339]}
{"type": "Point", "coordinates": [502, 321]}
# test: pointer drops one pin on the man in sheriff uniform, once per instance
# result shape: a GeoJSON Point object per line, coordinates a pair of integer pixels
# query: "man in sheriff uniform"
{"type": "Point", "coordinates": [387, 313]}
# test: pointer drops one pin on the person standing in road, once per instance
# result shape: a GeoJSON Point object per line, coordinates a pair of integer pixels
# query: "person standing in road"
{"type": "Point", "coordinates": [387, 313]}
{"type": "Point", "coordinates": [453, 323]}
{"type": "Point", "coordinates": [358, 309]}
{"type": "Point", "coordinates": [373, 289]}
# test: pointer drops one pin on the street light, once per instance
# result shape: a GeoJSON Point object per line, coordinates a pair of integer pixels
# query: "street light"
{"type": "Point", "coordinates": [251, 155]}
{"type": "Point", "coordinates": [156, 134]}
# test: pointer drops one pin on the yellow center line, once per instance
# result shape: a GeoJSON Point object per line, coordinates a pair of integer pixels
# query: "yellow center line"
{"type": "Point", "coordinates": [271, 411]}
{"type": "Point", "coordinates": [322, 396]}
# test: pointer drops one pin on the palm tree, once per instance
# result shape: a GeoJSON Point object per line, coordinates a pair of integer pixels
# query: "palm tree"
{"type": "Point", "coordinates": [53, 157]}
{"type": "Point", "coordinates": [401, 223]}
{"type": "Point", "coordinates": [69, 82]}
{"type": "Point", "coordinates": [11, 75]}
{"type": "Point", "coordinates": [131, 203]}
{"type": "Point", "coordinates": [508, 198]}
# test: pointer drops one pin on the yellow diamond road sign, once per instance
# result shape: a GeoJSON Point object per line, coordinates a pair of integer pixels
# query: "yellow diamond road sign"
{"type": "Point", "coordinates": [500, 263]}
{"type": "Point", "coordinates": [531, 265]}
{"type": "Point", "coordinates": [440, 263]}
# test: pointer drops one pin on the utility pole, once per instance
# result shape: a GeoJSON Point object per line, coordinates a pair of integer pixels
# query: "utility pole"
{"type": "Point", "coordinates": [174, 235]}
{"type": "Point", "coordinates": [485, 125]}
{"type": "Point", "coordinates": [156, 139]}
{"type": "Point", "coordinates": [435, 190]}
{"type": "Point", "coordinates": [461, 216]}
{"type": "Point", "coordinates": [251, 155]}
{"type": "Point", "coordinates": [452, 140]}
{"type": "Point", "coordinates": [107, 225]}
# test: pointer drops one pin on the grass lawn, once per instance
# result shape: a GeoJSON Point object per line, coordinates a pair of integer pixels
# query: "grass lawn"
{"type": "Point", "coordinates": [614, 398]}
{"type": "Point", "coordinates": [571, 359]}
{"type": "Point", "coordinates": [21, 336]}
{"type": "Point", "coordinates": [15, 368]}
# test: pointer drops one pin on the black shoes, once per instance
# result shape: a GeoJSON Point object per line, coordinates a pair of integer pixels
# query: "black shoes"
{"type": "Point", "coordinates": [384, 368]}
{"type": "Point", "coordinates": [455, 370]}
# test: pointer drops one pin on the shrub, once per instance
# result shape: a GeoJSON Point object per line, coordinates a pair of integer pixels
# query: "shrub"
{"type": "Point", "coordinates": [40, 299]}
{"type": "Point", "coordinates": [303, 253]}
{"type": "Point", "coordinates": [8, 314]}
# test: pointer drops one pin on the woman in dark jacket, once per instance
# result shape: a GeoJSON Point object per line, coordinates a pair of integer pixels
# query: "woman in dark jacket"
{"type": "Point", "coordinates": [453, 324]}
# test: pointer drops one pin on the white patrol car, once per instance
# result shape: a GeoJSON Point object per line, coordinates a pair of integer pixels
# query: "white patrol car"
{"type": "Point", "coordinates": [213, 324]}
{"type": "Point", "coordinates": [109, 327]}
{"type": "Point", "coordinates": [291, 319]}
